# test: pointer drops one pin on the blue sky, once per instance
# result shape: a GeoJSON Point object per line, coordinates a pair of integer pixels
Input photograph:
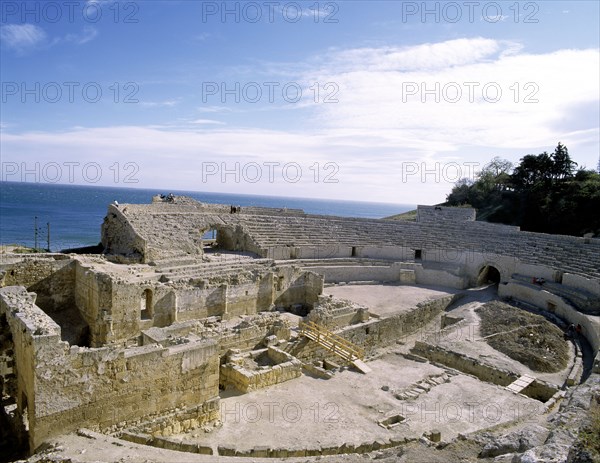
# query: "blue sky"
{"type": "Point", "coordinates": [367, 100]}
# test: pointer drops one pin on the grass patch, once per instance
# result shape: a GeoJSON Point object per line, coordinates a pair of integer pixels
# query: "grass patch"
{"type": "Point", "coordinates": [524, 337]}
{"type": "Point", "coordinates": [410, 216]}
{"type": "Point", "coordinates": [589, 437]}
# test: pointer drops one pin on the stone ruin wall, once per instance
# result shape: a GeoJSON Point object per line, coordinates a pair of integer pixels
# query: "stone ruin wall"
{"type": "Point", "coordinates": [334, 314]}
{"type": "Point", "coordinates": [235, 374]}
{"type": "Point", "coordinates": [51, 275]}
{"type": "Point", "coordinates": [384, 332]}
{"type": "Point", "coordinates": [538, 389]}
{"type": "Point", "coordinates": [118, 237]}
{"type": "Point", "coordinates": [375, 333]}
{"type": "Point", "coordinates": [151, 233]}
{"type": "Point", "coordinates": [64, 387]}
{"type": "Point", "coordinates": [249, 334]}
{"type": "Point", "coordinates": [113, 308]}
{"type": "Point", "coordinates": [362, 270]}
{"type": "Point", "coordinates": [92, 297]}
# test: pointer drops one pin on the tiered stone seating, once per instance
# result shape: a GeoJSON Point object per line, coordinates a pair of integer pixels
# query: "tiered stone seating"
{"type": "Point", "coordinates": [214, 269]}
{"type": "Point", "coordinates": [173, 230]}
{"type": "Point", "coordinates": [438, 214]}
{"type": "Point", "coordinates": [582, 300]}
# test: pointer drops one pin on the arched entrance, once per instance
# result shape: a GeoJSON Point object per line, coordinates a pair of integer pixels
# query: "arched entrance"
{"type": "Point", "coordinates": [487, 275]}
{"type": "Point", "coordinates": [146, 305]}
{"type": "Point", "coordinates": [216, 238]}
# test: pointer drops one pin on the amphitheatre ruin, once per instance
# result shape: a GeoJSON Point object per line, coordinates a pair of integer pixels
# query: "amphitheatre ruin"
{"type": "Point", "coordinates": [206, 333]}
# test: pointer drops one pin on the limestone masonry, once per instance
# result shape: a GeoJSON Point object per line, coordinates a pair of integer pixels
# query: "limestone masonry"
{"type": "Point", "coordinates": [192, 301]}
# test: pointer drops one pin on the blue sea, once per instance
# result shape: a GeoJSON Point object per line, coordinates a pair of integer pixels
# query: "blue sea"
{"type": "Point", "coordinates": [75, 213]}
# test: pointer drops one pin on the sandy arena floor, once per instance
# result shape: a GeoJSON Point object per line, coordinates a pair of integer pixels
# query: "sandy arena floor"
{"type": "Point", "coordinates": [346, 409]}
{"type": "Point", "coordinates": [385, 300]}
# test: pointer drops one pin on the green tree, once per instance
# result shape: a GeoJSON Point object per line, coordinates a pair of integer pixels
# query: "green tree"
{"type": "Point", "coordinates": [563, 167]}
{"type": "Point", "coordinates": [543, 193]}
{"type": "Point", "coordinates": [460, 192]}
{"type": "Point", "coordinates": [533, 170]}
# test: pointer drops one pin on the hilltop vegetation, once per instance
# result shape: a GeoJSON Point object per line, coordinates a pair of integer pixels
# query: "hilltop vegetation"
{"type": "Point", "coordinates": [544, 193]}
{"type": "Point", "coordinates": [409, 216]}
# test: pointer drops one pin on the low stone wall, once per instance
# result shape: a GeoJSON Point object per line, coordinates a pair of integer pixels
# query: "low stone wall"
{"type": "Point", "coordinates": [441, 277]}
{"type": "Point", "coordinates": [386, 331]}
{"type": "Point", "coordinates": [166, 443]}
{"type": "Point", "coordinates": [363, 272]}
{"type": "Point", "coordinates": [547, 301]}
{"type": "Point", "coordinates": [377, 333]}
{"type": "Point", "coordinates": [177, 421]}
{"type": "Point", "coordinates": [538, 390]}
{"type": "Point", "coordinates": [244, 380]}
{"type": "Point", "coordinates": [51, 277]}
{"type": "Point", "coordinates": [250, 336]}
{"type": "Point", "coordinates": [337, 313]}
{"type": "Point", "coordinates": [346, 448]}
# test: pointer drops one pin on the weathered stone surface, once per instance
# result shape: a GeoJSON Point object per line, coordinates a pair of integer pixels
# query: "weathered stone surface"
{"type": "Point", "coordinates": [551, 453]}
{"type": "Point", "coordinates": [517, 442]}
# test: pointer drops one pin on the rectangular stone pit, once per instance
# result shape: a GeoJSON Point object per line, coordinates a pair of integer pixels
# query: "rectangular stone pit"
{"type": "Point", "coordinates": [392, 421]}
{"type": "Point", "coordinates": [258, 369]}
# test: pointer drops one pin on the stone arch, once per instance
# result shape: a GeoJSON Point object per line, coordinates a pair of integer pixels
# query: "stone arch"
{"type": "Point", "coordinates": [488, 273]}
{"type": "Point", "coordinates": [220, 237]}
{"type": "Point", "coordinates": [209, 235]}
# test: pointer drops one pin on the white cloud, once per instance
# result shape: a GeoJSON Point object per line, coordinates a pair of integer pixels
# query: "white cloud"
{"type": "Point", "coordinates": [22, 37]}
{"type": "Point", "coordinates": [88, 34]}
{"type": "Point", "coordinates": [207, 121]}
{"type": "Point", "coordinates": [428, 56]}
{"type": "Point", "coordinates": [214, 109]}
{"type": "Point", "coordinates": [395, 99]}
{"type": "Point", "coordinates": [159, 104]}
{"type": "Point", "coordinates": [26, 37]}
{"type": "Point", "coordinates": [376, 130]}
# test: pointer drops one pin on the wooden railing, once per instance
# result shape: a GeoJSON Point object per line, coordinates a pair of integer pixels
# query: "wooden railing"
{"type": "Point", "coordinates": [331, 341]}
